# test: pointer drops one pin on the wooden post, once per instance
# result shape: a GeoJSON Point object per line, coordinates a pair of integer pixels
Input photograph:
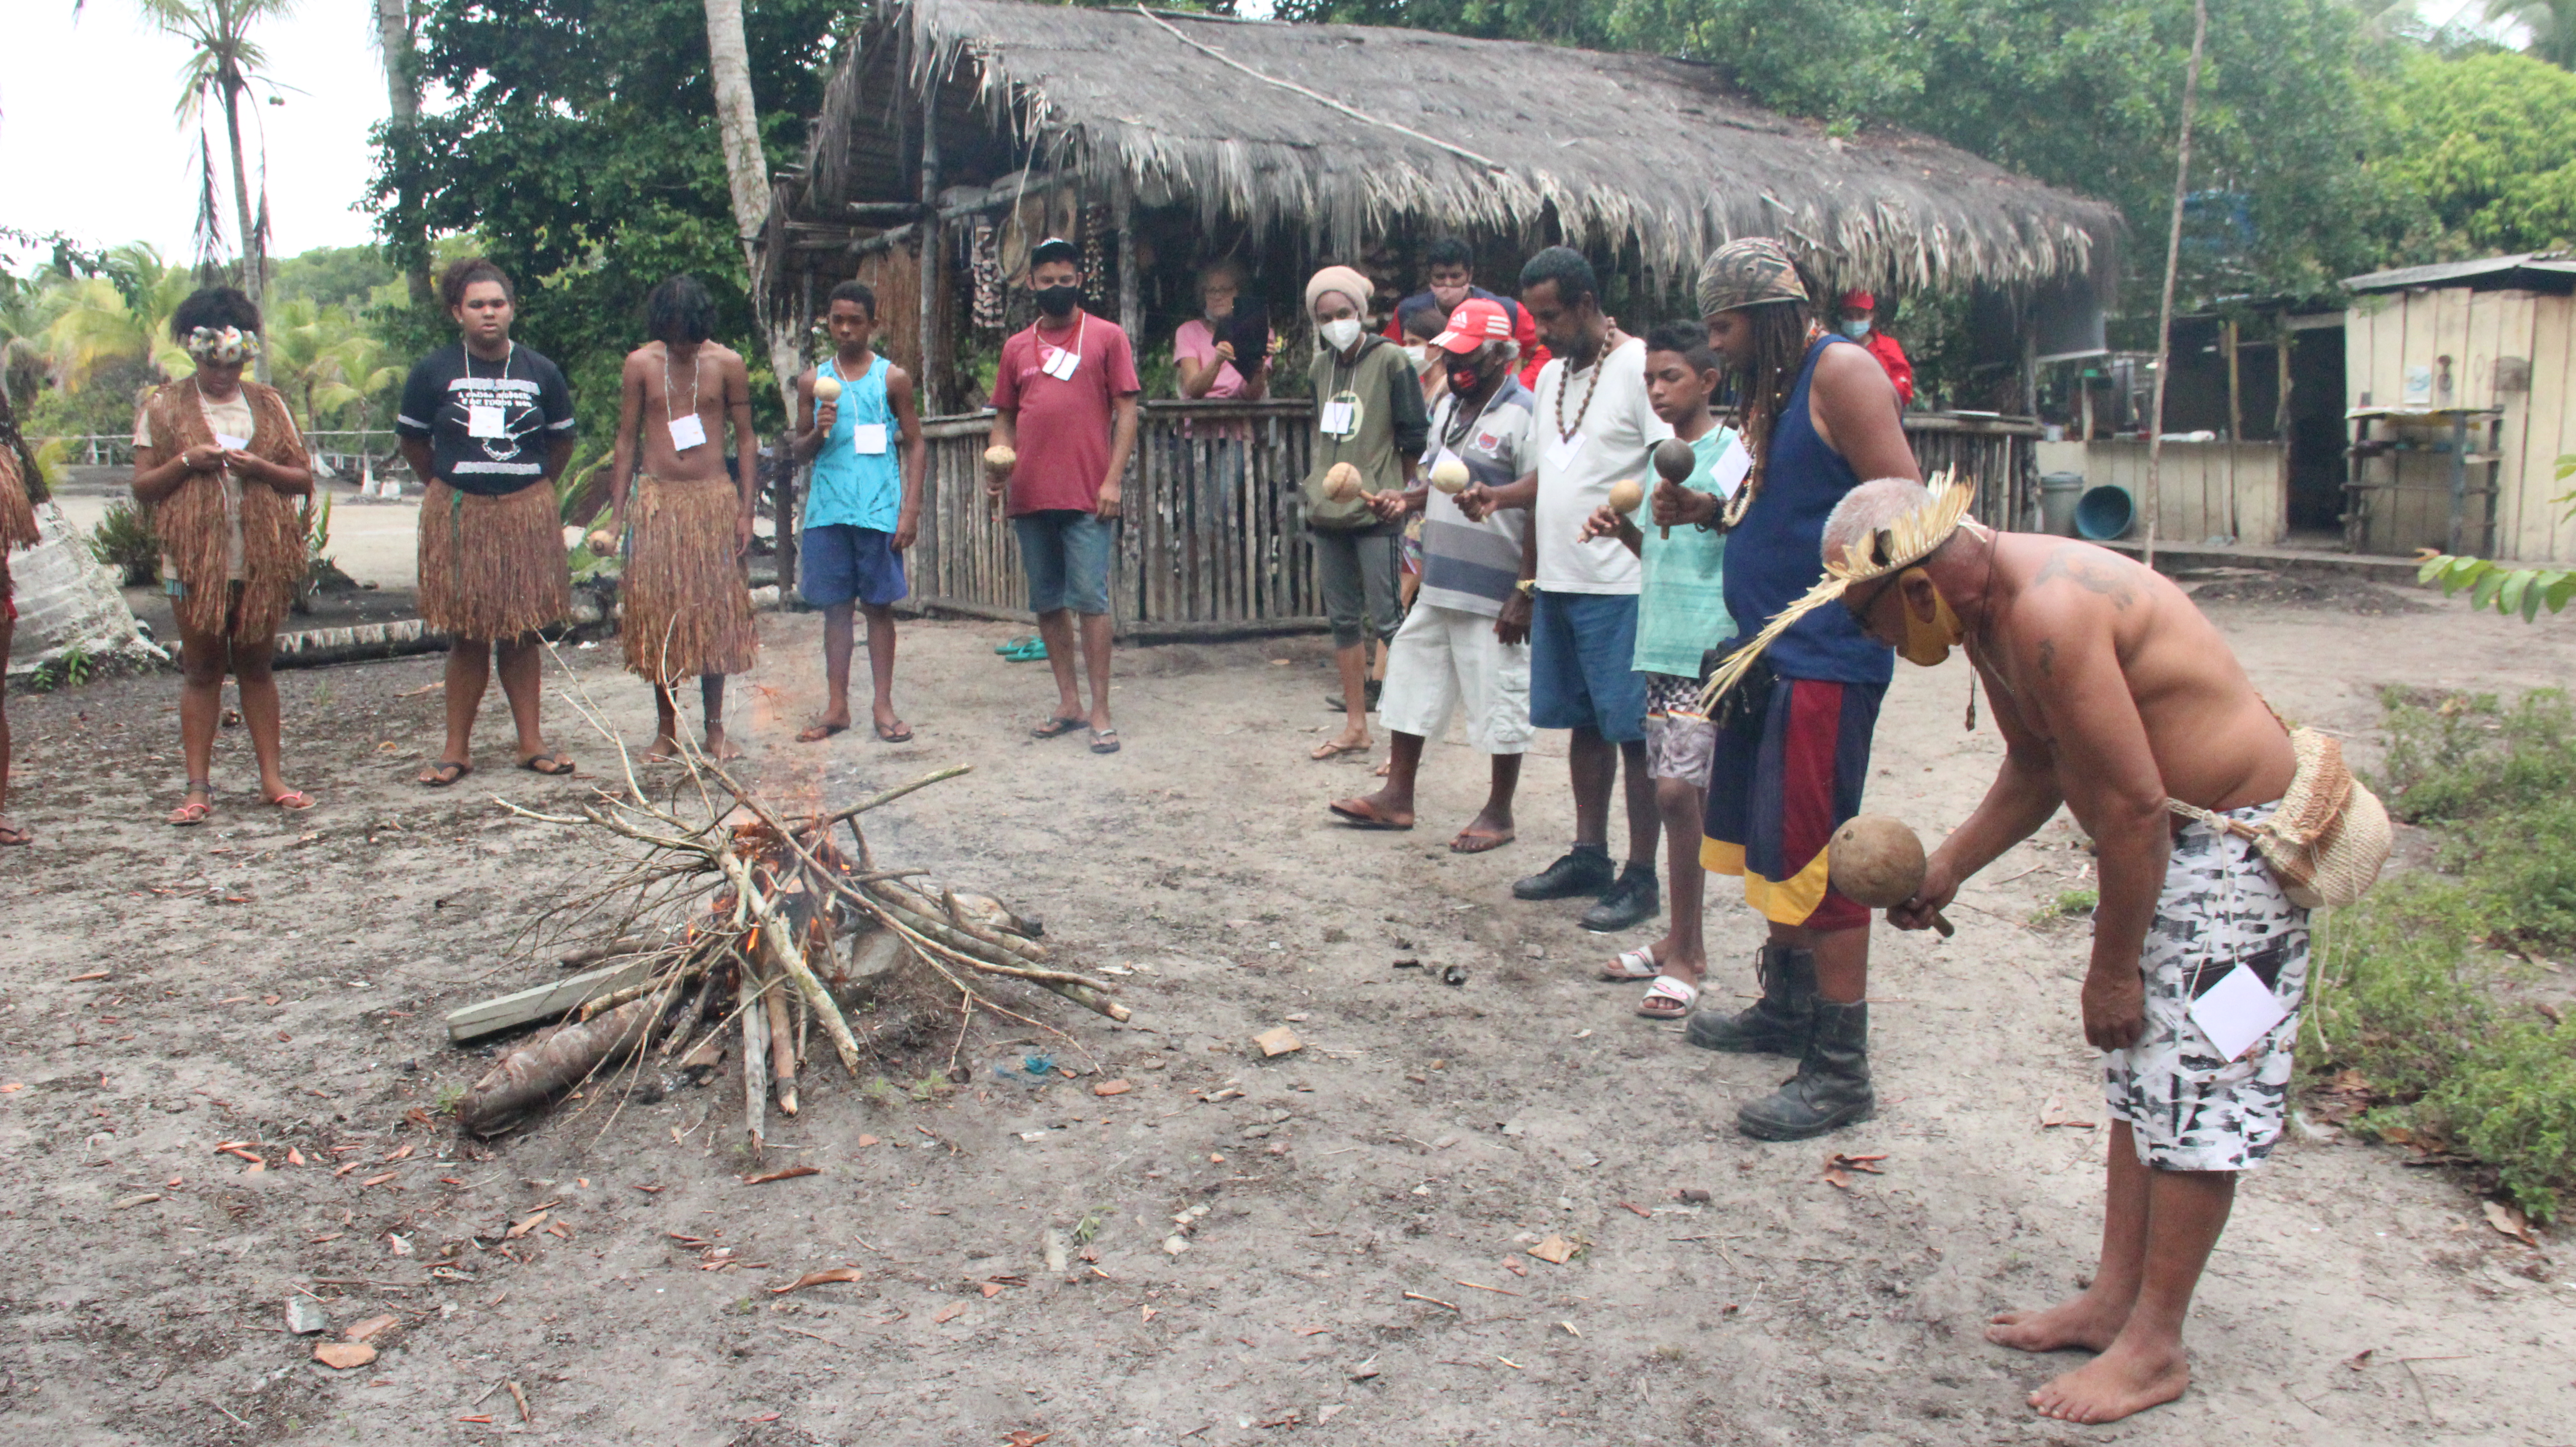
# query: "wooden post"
{"type": "Point", "coordinates": [2235, 385]}
{"type": "Point", "coordinates": [1131, 316]}
{"type": "Point", "coordinates": [2173, 256]}
{"type": "Point", "coordinates": [926, 381]}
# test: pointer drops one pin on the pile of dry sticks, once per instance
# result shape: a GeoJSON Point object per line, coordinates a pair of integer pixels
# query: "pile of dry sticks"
{"type": "Point", "coordinates": [744, 919]}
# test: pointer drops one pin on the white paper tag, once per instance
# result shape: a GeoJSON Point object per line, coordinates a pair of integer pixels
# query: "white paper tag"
{"type": "Point", "coordinates": [1334, 420]}
{"type": "Point", "coordinates": [687, 432]}
{"type": "Point", "coordinates": [1733, 466]}
{"type": "Point", "coordinates": [1560, 452]}
{"type": "Point", "coordinates": [868, 439]}
{"type": "Point", "coordinates": [231, 444]}
{"type": "Point", "coordinates": [483, 419]}
{"type": "Point", "coordinates": [1060, 363]}
{"type": "Point", "coordinates": [2237, 1011]}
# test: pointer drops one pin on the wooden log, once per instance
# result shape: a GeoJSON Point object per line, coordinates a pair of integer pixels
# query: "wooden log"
{"type": "Point", "coordinates": [542, 1002]}
{"type": "Point", "coordinates": [755, 1061]}
{"type": "Point", "coordinates": [925, 911]}
{"type": "Point", "coordinates": [782, 1054]}
{"type": "Point", "coordinates": [774, 938]}
{"type": "Point", "coordinates": [526, 1077]}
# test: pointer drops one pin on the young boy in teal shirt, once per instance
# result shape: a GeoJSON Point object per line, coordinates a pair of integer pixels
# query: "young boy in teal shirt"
{"type": "Point", "coordinates": [1681, 613]}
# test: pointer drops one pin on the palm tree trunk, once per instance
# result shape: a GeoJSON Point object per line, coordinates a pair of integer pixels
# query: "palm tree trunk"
{"type": "Point", "coordinates": [253, 245]}
{"type": "Point", "coordinates": [747, 176]}
{"type": "Point", "coordinates": [402, 102]}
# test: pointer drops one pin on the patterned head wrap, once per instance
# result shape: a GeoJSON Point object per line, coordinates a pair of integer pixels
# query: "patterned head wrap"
{"type": "Point", "coordinates": [221, 344]}
{"type": "Point", "coordinates": [1748, 271]}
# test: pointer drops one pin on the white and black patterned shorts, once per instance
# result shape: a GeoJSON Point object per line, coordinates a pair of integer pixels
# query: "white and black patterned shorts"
{"type": "Point", "coordinates": [2188, 1109]}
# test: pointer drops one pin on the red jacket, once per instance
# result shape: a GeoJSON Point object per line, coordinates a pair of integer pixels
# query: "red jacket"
{"type": "Point", "coordinates": [1892, 357]}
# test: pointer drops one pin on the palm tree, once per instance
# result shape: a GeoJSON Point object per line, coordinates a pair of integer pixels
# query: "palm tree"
{"type": "Point", "coordinates": [2552, 24]}
{"type": "Point", "coordinates": [122, 314]}
{"type": "Point", "coordinates": [322, 358]}
{"type": "Point", "coordinates": [402, 101]}
{"type": "Point", "coordinates": [224, 64]}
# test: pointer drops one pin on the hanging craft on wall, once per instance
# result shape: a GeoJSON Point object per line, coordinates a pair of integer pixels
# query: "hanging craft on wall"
{"type": "Point", "coordinates": [987, 268]}
{"type": "Point", "coordinates": [1095, 271]}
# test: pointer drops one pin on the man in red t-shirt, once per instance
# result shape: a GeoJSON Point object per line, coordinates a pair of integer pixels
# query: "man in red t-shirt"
{"type": "Point", "coordinates": [1860, 323]}
{"type": "Point", "coordinates": [1065, 401]}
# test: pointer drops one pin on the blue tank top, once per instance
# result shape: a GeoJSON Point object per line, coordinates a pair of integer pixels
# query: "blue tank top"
{"type": "Point", "coordinates": [864, 489]}
{"type": "Point", "coordinates": [1777, 553]}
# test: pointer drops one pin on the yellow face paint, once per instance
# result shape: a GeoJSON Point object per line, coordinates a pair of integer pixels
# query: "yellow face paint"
{"type": "Point", "coordinates": [1927, 644]}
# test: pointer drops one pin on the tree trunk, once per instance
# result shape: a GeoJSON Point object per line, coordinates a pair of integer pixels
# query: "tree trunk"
{"type": "Point", "coordinates": [402, 101]}
{"type": "Point", "coordinates": [747, 176]}
{"type": "Point", "coordinates": [253, 246]}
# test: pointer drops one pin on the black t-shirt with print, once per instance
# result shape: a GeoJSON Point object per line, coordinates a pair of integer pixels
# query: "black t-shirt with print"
{"type": "Point", "coordinates": [533, 409]}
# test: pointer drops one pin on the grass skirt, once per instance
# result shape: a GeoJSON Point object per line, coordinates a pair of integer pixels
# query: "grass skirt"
{"type": "Point", "coordinates": [686, 606]}
{"type": "Point", "coordinates": [492, 567]}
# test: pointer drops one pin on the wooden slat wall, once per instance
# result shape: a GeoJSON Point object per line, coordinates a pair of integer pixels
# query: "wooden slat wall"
{"type": "Point", "coordinates": [2384, 335]}
{"type": "Point", "coordinates": [2211, 489]}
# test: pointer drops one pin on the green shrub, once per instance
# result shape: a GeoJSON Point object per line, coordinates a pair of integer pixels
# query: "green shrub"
{"type": "Point", "coordinates": [124, 540]}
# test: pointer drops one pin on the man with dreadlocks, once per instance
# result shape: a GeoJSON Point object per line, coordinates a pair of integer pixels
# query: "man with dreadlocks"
{"type": "Point", "coordinates": [2116, 698]}
{"type": "Point", "coordinates": [1793, 742]}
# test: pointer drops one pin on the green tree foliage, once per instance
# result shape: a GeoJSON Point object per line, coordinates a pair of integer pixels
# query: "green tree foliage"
{"type": "Point", "coordinates": [2487, 143]}
{"type": "Point", "coordinates": [2552, 24]}
{"type": "Point", "coordinates": [341, 276]}
{"type": "Point", "coordinates": [583, 152]}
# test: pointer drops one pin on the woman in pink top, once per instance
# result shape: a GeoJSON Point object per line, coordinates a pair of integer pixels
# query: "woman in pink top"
{"type": "Point", "coordinates": [1208, 367]}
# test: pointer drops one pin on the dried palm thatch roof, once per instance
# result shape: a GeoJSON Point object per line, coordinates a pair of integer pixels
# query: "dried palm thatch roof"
{"type": "Point", "coordinates": [1349, 132]}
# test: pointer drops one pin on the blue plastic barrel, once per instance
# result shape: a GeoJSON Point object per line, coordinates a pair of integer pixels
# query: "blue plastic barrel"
{"type": "Point", "coordinates": [2105, 512]}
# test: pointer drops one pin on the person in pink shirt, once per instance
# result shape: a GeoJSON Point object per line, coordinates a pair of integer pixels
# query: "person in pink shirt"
{"type": "Point", "coordinates": [1209, 370]}
{"type": "Point", "coordinates": [1064, 399]}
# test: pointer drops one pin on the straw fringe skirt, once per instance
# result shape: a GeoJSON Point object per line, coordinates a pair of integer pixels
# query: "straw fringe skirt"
{"type": "Point", "coordinates": [687, 607]}
{"type": "Point", "coordinates": [492, 567]}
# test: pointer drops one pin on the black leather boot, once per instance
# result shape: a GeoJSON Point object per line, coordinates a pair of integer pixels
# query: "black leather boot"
{"type": "Point", "coordinates": [1831, 1088]}
{"type": "Point", "coordinates": [1779, 1023]}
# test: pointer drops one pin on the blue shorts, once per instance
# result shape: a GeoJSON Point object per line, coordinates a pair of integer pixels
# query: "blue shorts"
{"type": "Point", "coordinates": [841, 563]}
{"type": "Point", "coordinates": [1066, 557]}
{"type": "Point", "coordinates": [1582, 650]}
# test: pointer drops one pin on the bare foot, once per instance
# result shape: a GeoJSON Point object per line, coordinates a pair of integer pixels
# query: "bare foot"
{"type": "Point", "coordinates": [665, 750]}
{"type": "Point", "coordinates": [1491, 829]}
{"type": "Point", "coordinates": [721, 748]}
{"type": "Point", "coordinates": [2082, 1321]}
{"type": "Point", "coordinates": [11, 833]}
{"type": "Point", "coordinates": [2121, 1382]}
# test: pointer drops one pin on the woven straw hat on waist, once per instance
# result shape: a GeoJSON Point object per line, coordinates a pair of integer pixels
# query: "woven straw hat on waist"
{"type": "Point", "coordinates": [2328, 839]}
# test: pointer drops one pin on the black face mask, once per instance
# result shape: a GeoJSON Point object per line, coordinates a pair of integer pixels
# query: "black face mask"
{"type": "Point", "coordinates": [1464, 382]}
{"type": "Point", "coordinates": [1058, 301]}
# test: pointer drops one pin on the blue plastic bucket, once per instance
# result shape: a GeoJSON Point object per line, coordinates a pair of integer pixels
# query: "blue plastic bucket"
{"type": "Point", "coordinates": [2105, 512]}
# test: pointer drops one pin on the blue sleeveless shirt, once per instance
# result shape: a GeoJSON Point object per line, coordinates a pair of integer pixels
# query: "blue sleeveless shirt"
{"type": "Point", "coordinates": [864, 489]}
{"type": "Point", "coordinates": [1777, 553]}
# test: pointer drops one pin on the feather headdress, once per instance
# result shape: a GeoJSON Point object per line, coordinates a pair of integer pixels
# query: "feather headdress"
{"type": "Point", "coordinates": [1907, 539]}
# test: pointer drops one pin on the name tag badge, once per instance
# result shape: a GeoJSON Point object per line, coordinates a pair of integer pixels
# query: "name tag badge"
{"type": "Point", "coordinates": [688, 432]}
{"type": "Point", "coordinates": [483, 419]}
{"type": "Point", "coordinates": [1560, 453]}
{"type": "Point", "coordinates": [868, 439]}
{"type": "Point", "coordinates": [1060, 364]}
{"type": "Point", "coordinates": [1335, 419]}
{"type": "Point", "coordinates": [231, 444]}
{"type": "Point", "coordinates": [1733, 466]}
{"type": "Point", "coordinates": [2237, 1012]}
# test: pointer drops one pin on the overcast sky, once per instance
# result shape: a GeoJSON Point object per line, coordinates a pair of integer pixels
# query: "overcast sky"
{"type": "Point", "coordinates": [88, 144]}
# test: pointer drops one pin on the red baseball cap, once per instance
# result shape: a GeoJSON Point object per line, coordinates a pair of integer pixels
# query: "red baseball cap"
{"type": "Point", "coordinates": [1473, 323]}
{"type": "Point", "coordinates": [1859, 301]}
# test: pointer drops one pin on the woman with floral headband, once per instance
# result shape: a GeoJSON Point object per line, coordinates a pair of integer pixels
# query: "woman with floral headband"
{"type": "Point", "coordinates": [220, 466]}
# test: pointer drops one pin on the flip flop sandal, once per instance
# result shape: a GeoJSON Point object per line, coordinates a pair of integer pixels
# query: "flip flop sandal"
{"type": "Point", "coordinates": [293, 801]}
{"type": "Point", "coordinates": [889, 736]}
{"type": "Point", "coordinates": [1668, 999]}
{"type": "Point", "coordinates": [816, 733]}
{"type": "Point", "coordinates": [13, 835]}
{"type": "Point", "coordinates": [1325, 751]}
{"type": "Point", "coordinates": [193, 812]}
{"type": "Point", "coordinates": [1636, 964]}
{"type": "Point", "coordinates": [550, 763]}
{"type": "Point", "coordinates": [1023, 650]}
{"type": "Point", "coordinates": [443, 775]}
{"type": "Point", "coordinates": [1057, 727]}
{"type": "Point", "coordinates": [1467, 843]}
{"type": "Point", "coordinates": [1104, 741]}
{"type": "Point", "coordinates": [1362, 817]}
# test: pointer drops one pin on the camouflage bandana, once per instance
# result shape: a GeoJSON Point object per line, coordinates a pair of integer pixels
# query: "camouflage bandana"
{"type": "Point", "coordinates": [1749, 271]}
{"type": "Point", "coordinates": [221, 344]}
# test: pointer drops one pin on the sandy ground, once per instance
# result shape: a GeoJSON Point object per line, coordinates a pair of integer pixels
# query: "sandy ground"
{"type": "Point", "coordinates": [281, 980]}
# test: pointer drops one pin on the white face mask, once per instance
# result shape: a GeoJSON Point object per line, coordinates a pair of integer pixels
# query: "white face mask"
{"type": "Point", "coordinates": [1340, 333]}
{"type": "Point", "coordinates": [1420, 352]}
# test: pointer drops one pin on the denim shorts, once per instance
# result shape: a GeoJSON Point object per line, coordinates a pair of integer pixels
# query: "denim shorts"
{"type": "Point", "coordinates": [1582, 650]}
{"type": "Point", "coordinates": [1065, 554]}
{"type": "Point", "coordinates": [840, 563]}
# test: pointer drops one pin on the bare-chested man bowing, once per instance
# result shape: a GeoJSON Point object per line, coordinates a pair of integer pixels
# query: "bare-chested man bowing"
{"type": "Point", "coordinates": [2114, 695]}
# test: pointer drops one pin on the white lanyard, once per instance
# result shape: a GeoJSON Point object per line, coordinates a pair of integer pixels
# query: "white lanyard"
{"type": "Point", "coordinates": [483, 419]}
{"type": "Point", "coordinates": [691, 430]}
{"type": "Point", "coordinates": [1064, 363]}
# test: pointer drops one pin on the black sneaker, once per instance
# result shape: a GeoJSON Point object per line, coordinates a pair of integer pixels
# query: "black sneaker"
{"type": "Point", "coordinates": [1335, 701]}
{"type": "Point", "coordinates": [1586, 870]}
{"type": "Point", "coordinates": [1632, 901]}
